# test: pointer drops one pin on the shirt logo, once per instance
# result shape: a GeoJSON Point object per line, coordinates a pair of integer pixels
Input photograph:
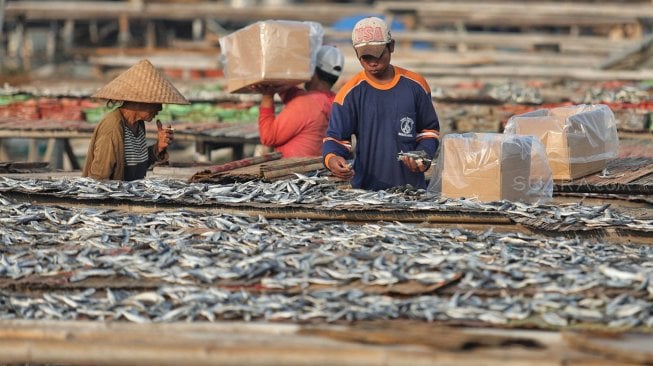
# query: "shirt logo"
{"type": "Point", "coordinates": [407, 124]}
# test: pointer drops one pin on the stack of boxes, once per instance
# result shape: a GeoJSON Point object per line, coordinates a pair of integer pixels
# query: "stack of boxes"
{"type": "Point", "coordinates": [579, 139]}
{"type": "Point", "coordinates": [537, 148]}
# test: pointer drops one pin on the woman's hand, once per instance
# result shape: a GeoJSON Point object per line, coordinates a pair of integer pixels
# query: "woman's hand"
{"type": "Point", "coordinates": [164, 137]}
{"type": "Point", "coordinates": [263, 88]}
{"type": "Point", "coordinates": [267, 94]}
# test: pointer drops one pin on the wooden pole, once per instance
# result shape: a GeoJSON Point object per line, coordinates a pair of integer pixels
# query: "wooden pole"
{"type": "Point", "coordinates": [4, 155]}
{"type": "Point", "coordinates": [16, 42]}
{"type": "Point", "coordinates": [150, 35]}
{"type": "Point", "coordinates": [2, 34]}
{"type": "Point", "coordinates": [93, 31]}
{"type": "Point", "coordinates": [123, 31]}
{"type": "Point", "coordinates": [68, 34]}
{"type": "Point", "coordinates": [51, 43]}
{"type": "Point", "coordinates": [197, 29]}
{"type": "Point", "coordinates": [32, 150]}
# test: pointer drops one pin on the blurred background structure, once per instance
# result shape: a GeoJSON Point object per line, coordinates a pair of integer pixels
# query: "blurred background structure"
{"type": "Point", "coordinates": [484, 60]}
{"type": "Point", "coordinates": [515, 38]}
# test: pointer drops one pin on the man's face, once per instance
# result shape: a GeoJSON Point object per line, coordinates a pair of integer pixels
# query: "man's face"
{"type": "Point", "coordinates": [376, 66]}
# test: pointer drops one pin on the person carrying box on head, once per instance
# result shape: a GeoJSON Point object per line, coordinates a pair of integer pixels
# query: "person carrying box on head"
{"type": "Point", "coordinates": [298, 130]}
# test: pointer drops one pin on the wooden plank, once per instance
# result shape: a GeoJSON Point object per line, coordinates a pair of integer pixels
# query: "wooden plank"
{"type": "Point", "coordinates": [303, 169]}
{"type": "Point", "coordinates": [411, 57]}
{"type": "Point", "coordinates": [538, 72]}
{"type": "Point", "coordinates": [631, 57]}
{"type": "Point", "coordinates": [50, 10]}
{"type": "Point", "coordinates": [240, 343]}
{"type": "Point", "coordinates": [178, 60]}
{"type": "Point", "coordinates": [519, 13]}
{"type": "Point", "coordinates": [624, 173]}
{"type": "Point", "coordinates": [566, 43]}
{"type": "Point", "coordinates": [323, 13]}
{"type": "Point", "coordinates": [23, 167]}
{"type": "Point", "coordinates": [619, 347]}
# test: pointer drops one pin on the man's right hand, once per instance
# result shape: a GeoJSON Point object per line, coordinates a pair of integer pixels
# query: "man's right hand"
{"type": "Point", "coordinates": [340, 168]}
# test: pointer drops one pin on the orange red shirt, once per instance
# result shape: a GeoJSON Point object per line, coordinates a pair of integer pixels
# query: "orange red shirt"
{"type": "Point", "coordinates": [301, 125]}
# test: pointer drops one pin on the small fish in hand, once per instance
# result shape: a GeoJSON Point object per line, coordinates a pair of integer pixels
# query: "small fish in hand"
{"type": "Point", "coordinates": [418, 156]}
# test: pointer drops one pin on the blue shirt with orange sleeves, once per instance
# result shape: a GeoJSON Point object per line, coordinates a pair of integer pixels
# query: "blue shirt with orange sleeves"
{"type": "Point", "coordinates": [386, 119]}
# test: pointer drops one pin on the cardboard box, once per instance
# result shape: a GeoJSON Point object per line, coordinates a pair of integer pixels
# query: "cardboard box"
{"type": "Point", "coordinates": [578, 139]}
{"type": "Point", "coordinates": [489, 166]}
{"type": "Point", "coordinates": [272, 51]}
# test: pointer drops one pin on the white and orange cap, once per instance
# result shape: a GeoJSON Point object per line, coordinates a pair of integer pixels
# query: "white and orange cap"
{"type": "Point", "coordinates": [330, 60]}
{"type": "Point", "coordinates": [370, 37]}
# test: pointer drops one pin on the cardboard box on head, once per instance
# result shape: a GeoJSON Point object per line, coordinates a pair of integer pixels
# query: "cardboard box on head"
{"type": "Point", "coordinates": [578, 139]}
{"type": "Point", "coordinates": [492, 167]}
{"type": "Point", "coordinates": [276, 52]}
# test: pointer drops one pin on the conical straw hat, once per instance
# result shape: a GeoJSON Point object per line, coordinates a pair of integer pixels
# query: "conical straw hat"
{"type": "Point", "coordinates": [141, 83]}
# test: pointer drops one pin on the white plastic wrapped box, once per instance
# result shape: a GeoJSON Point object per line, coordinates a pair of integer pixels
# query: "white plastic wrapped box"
{"type": "Point", "coordinates": [578, 139]}
{"type": "Point", "coordinates": [492, 167]}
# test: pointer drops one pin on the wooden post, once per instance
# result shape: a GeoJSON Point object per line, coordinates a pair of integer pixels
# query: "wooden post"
{"type": "Point", "coordinates": [574, 30]}
{"type": "Point", "coordinates": [123, 31]}
{"type": "Point", "coordinates": [51, 43]}
{"type": "Point", "coordinates": [93, 32]}
{"type": "Point", "coordinates": [68, 34]}
{"type": "Point", "coordinates": [32, 150]}
{"type": "Point", "coordinates": [461, 29]}
{"type": "Point", "coordinates": [26, 50]}
{"type": "Point", "coordinates": [150, 35]}
{"type": "Point", "coordinates": [238, 152]}
{"type": "Point", "coordinates": [2, 34]}
{"type": "Point", "coordinates": [197, 29]}
{"type": "Point", "coordinates": [4, 155]}
{"type": "Point", "coordinates": [54, 153]}
{"type": "Point", "coordinates": [72, 159]}
{"type": "Point", "coordinates": [56, 150]}
{"type": "Point", "coordinates": [16, 42]}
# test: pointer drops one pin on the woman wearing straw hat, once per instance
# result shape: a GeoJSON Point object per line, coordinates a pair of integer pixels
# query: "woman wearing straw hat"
{"type": "Point", "coordinates": [118, 149]}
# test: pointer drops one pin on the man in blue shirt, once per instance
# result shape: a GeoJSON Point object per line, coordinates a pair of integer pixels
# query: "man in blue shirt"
{"type": "Point", "coordinates": [389, 109]}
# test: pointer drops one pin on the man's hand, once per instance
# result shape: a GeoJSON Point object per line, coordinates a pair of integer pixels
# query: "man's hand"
{"type": "Point", "coordinates": [164, 136]}
{"type": "Point", "coordinates": [415, 165]}
{"type": "Point", "coordinates": [339, 167]}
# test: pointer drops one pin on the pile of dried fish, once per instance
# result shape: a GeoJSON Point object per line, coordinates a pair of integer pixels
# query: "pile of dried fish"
{"type": "Point", "coordinates": [626, 94]}
{"type": "Point", "coordinates": [511, 92]}
{"type": "Point", "coordinates": [322, 193]}
{"type": "Point", "coordinates": [99, 264]}
{"type": "Point", "coordinates": [193, 92]}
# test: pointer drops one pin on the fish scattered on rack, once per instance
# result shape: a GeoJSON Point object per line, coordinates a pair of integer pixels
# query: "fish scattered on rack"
{"type": "Point", "coordinates": [194, 266]}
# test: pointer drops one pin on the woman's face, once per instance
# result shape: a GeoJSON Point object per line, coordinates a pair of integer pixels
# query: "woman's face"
{"type": "Point", "coordinates": [149, 111]}
{"type": "Point", "coordinates": [143, 111]}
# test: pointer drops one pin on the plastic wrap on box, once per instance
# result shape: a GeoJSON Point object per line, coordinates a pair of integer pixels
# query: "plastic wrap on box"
{"type": "Point", "coordinates": [271, 51]}
{"type": "Point", "coordinates": [492, 167]}
{"type": "Point", "coordinates": [578, 139]}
